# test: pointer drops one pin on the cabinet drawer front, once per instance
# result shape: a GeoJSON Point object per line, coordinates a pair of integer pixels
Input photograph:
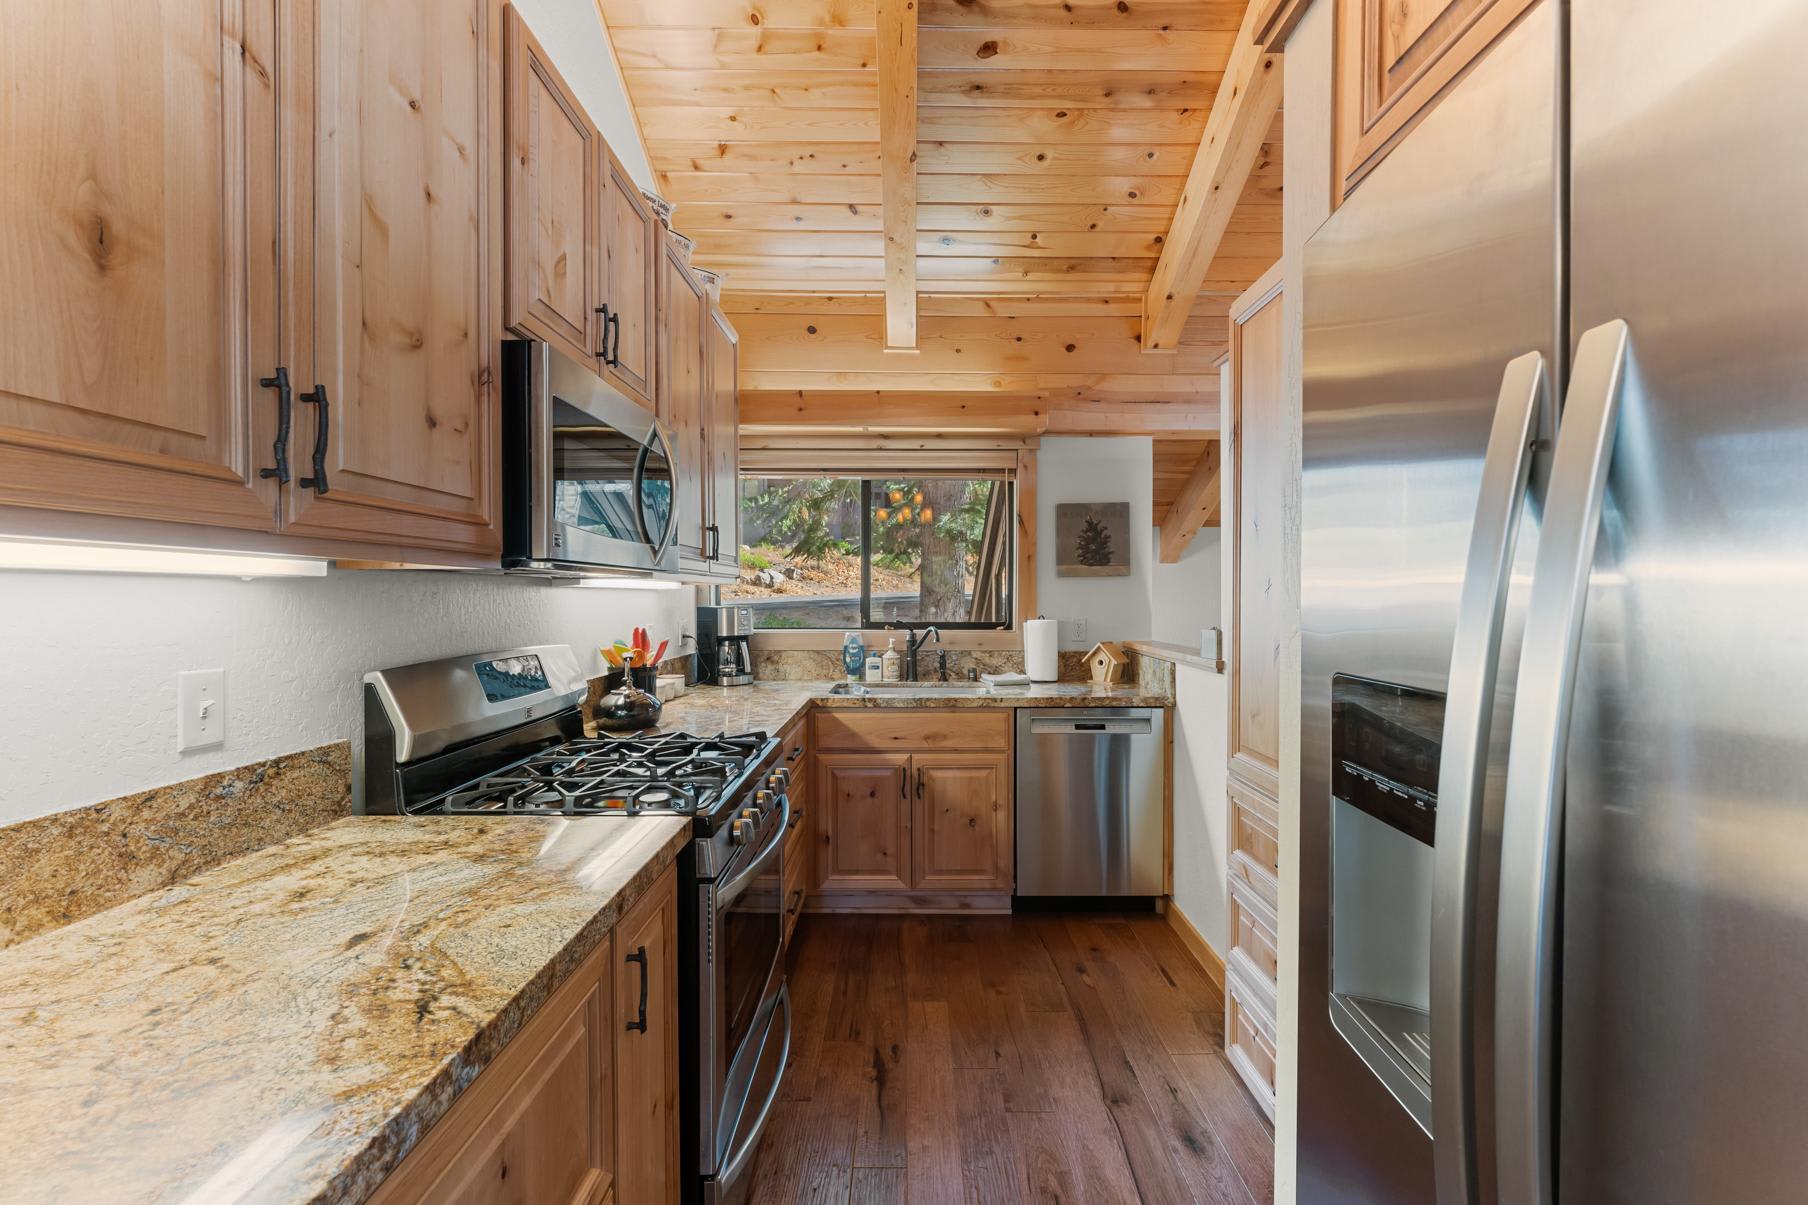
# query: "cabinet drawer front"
{"type": "Point", "coordinates": [909, 730]}
{"type": "Point", "coordinates": [1249, 1039]}
{"type": "Point", "coordinates": [1254, 828]}
{"type": "Point", "coordinates": [1252, 928]}
{"type": "Point", "coordinates": [797, 875]}
{"type": "Point", "coordinates": [1254, 877]}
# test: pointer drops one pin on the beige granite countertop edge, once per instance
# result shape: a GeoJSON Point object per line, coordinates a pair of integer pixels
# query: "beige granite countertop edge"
{"type": "Point", "coordinates": [387, 1147]}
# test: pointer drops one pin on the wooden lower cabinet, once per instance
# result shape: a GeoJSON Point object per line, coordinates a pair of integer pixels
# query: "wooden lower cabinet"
{"type": "Point", "coordinates": [900, 811]}
{"type": "Point", "coordinates": [536, 1125]}
{"type": "Point", "coordinates": [581, 1108]}
{"type": "Point", "coordinates": [863, 806]}
{"type": "Point", "coordinates": [962, 821]}
{"type": "Point", "coordinates": [646, 1046]}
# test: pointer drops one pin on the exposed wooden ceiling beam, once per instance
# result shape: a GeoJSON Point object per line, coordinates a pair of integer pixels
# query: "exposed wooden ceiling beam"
{"type": "Point", "coordinates": [1196, 507]}
{"type": "Point", "coordinates": [1241, 115]}
{"type": "Point", "coordinates": [1051, 413]}
{"type": "Point", "coordinates": [898, 166]}
{"type": "Point", "coordinates": [1277, 20]}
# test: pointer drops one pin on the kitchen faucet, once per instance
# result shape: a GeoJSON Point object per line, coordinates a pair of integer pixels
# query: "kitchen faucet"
{"type": "Point", "coordinates": [914, 642]}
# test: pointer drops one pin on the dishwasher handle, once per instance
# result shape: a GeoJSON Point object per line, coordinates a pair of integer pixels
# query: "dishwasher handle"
{"type": "Point", "coordinates": [1134, 726]}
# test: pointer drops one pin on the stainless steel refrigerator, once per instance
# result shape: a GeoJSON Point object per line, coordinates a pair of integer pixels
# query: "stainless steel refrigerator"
{"type": "Point", "coordinates": [1554, 573]}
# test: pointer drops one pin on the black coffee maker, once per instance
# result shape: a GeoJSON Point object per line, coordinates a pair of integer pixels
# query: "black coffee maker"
{"type": "Point", "coordinates": [724, 648]}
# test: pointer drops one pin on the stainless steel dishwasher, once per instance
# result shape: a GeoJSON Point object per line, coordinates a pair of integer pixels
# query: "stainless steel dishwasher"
{"type": "Point", "coordinates": [1090, 786]}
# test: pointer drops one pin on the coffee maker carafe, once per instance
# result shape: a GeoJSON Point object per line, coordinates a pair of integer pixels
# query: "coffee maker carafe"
{"type": "Point", "coordinates": [723, 644]}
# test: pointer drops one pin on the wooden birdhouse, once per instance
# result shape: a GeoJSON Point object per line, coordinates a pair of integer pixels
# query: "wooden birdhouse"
{"type": "Point", "coordinates": [1108, 662]}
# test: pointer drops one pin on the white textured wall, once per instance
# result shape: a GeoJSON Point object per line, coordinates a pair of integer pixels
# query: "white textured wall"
{"type": "Point", "coordinates": [1201, 889]}
{"type": "Point", "coordinates": [578, 45]}
{"type": "Point", "coordinates": [1156, 601]}
{"type": "Point", "coordinates": [88, 712]}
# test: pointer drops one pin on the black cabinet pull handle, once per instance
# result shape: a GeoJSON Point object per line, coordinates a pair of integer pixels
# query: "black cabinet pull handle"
{"type": "Point", "coordinates": [904, 780]}
{"type": "Point", "coordinates": [322, 432]}
{"type": "Point", "coordinates": [285, 409]}
{"type": "Point", "coordinates": [602, 334]}
{"type": "Point", "coordinates": [795, 754]}
{"type": "Point", "coordinates": [797, 901]}
{"type": "Point", "coordinates": [919, 782]}
{"type": "Point", "coordinates": [640, 956]}
{"type": "Point", "coordinates": [614, 324]}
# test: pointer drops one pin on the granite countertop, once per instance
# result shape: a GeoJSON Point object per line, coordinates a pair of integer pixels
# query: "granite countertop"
{"type": "Point", "coordinates": [285, 1026]}
{"type": "Point", "coordinates": [769, 706]}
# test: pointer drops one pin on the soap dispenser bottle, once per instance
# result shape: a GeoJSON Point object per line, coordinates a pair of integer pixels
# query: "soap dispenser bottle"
{"type": "Point", "coordinates": [892, 663]}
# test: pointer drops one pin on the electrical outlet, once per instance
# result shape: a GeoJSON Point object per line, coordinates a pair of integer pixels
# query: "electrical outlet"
{"type": "Point", "coordinates": [1076, 633]}
{"type": "Point", "coordinates": [200, 709]}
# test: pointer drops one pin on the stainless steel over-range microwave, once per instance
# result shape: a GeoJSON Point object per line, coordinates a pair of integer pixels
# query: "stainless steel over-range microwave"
{"type": "Point", "coordinates": [588, 476]}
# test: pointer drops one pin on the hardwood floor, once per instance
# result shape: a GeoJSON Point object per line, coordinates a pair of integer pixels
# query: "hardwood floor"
{"type": "Point", "coordinates": [1074, 1059]}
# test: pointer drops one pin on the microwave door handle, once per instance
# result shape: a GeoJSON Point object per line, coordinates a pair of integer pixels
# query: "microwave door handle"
{"type": "Point", "coordinates": [1531, 830]}
{"type": "Point", "coordinates": [1463, 765]}
{"type": "Point", "coordinates": [664, 540]}
{"type": "Point", "coordinates": [640, 500]}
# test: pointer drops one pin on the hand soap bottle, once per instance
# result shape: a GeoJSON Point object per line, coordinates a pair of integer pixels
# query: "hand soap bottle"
{"type": "Point", "coordinates": [875, 666]}
{"type": "Point", "coordinates": [892, 663]}
{"type": "Point", "coordinates": [853, 656]}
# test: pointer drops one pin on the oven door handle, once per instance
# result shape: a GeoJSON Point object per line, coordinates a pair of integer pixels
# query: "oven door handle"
{"type": "Point", "coordinates": [736, 1161]}
{"type": "Point", "coordinates": [731, 890]}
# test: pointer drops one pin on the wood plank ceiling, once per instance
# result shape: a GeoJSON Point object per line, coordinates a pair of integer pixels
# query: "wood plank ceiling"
{"type": "Point", "coordinates": [1053, 142]}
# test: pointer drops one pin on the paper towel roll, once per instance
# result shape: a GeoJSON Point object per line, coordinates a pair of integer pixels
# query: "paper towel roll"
{"type": "Point", "coordinates": [1041, 650]}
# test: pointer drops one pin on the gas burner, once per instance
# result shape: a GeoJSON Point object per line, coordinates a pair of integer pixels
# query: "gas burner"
{"type": "Point", "coordinates": [673, 773]}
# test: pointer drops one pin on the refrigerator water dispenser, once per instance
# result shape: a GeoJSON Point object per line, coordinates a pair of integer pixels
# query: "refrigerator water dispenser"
{"type": "Point", "coordinates": [1384, 781]}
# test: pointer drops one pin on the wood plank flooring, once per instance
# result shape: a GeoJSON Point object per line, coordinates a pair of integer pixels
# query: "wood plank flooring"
{"type": "Point", "coordinates": [1070, 1059]}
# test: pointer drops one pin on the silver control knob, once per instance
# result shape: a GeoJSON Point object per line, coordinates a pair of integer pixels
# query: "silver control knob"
{"type": "Point", "coordinates": [741, 832]}
{"type": "Point", "coordinates": [779, 780]}
{"type": "Point", "coordinates": [762, 800]}
{"type": "Point", "coordinates": [750, 813]}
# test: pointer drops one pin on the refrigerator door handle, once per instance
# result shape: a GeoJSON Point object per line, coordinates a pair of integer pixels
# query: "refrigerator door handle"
{"type": "Point", "coordinates": [1519, 423]}
{"type": "Point", "coordinates": [1532, 828]}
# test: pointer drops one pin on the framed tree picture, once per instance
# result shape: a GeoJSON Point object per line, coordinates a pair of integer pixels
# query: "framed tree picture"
{"type": "Point", "coordinates": [1092, 539]}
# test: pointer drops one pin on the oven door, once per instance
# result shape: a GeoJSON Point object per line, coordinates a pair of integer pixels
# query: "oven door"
{"type": "Point", "coordinates": [740, 985]}
{"type": "Point", "coordinates": [601, 490]}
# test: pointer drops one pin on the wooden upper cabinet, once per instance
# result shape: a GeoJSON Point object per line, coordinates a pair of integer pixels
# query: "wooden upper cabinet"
{"type": "Point", "coordinates": [862, 802]}
{"type": "Point", "coordinates": [630, 254]}
{"type": "Point", "coordinates": [646, 1046]}
{"type": "Point", "coordinates": [722, 435]}
{"type": "Point", "coordinates": [138, 276]}
{"type": "Point", "coordinates": [1394, 57]}
{"type": "Point", "coordinates": [683, 306]}
{"type": "Point", "coordinates": [402, 283]}
{"type": "Point", "coordinates": [553, 263]}
{"type": "Point", "coordinates": [963, 821]}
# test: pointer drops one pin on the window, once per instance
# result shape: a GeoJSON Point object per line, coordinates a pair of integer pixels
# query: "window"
{"type": "Point", "coordinates": [864, 552]}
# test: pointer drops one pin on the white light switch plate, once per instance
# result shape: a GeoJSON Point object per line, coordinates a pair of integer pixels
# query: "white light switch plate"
{"type": "Point", "coordinates": [200, 709]}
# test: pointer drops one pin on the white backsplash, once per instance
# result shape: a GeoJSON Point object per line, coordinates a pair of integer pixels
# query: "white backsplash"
{"type": "Point", "coordinates": [88, 709]}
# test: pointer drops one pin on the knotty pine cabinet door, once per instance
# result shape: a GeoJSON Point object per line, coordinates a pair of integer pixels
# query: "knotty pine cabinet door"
{"type": "Point", "coordinates": [683, 307]}
{"type": "Point", "coordinates": [631, 253]}
{"type": "Point", "coordinates": [554, 161]}
{"type": "Point", "coordinates": [138, 271]}
{"type": "Point", "coordinates": [646, 1046]}
{"type": "Point", "coordinates": [1394, 58]}
{"type": "Point", "coordinates": [721, 442]}
{"type": "Point", "coordinates": [399, 274]}
{"type": "Point", "coordinates": [962, 822]}
{"type": "Point", "coordinates": [863, 801]}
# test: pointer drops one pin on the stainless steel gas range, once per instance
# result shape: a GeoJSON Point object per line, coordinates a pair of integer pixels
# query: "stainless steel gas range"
{"type": "Point", "coordinates": [501, 734]}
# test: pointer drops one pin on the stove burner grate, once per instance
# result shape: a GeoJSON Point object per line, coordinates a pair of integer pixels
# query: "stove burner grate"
{"type": "Point", "coordinates": [673, 773]}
